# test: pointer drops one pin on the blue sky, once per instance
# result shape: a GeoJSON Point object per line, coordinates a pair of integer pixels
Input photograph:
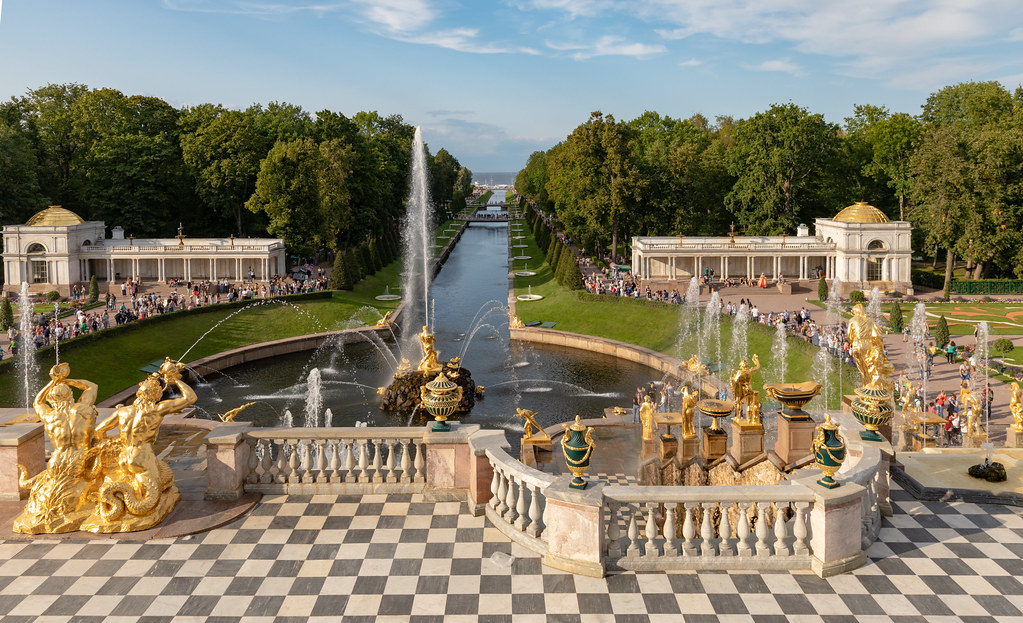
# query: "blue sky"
{"type": "Point", "coordinates": [493, 81]}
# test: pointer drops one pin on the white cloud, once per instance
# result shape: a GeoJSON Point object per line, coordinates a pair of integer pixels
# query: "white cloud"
{"type": "Point", "coordinates": [693, 62]}
{"type": "Point", "coordinates": [457, 39]}
{"type": "Point", "coordinates": [783, 65]}
{"type": "Point", "coordinates": [397, 15]}
{"type": "Point", "coordinates": [573, 8]}
{"type": "Point", "coordinates": [610, 45]}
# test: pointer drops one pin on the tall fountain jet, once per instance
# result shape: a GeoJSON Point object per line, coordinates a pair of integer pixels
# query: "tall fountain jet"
{"type": "Point", "coordinates": [416, 242]}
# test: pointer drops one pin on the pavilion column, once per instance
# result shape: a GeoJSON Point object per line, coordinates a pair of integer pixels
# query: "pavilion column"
{"type": "Point", "coordinates": [110, 270]}
{"type": "Point", "coordinates": [723, 272]}
{"type": "Point", "coordinates": [699, 266]}
{"type": "Point", "coordinates": [211, 269]}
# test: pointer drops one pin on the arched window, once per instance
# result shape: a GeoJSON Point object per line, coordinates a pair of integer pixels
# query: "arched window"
{"type": "Point", "coordinates": [87, 243]}
{"type": "Point", "coordinates": [875, 246]}
{"type": "Point", "coordinates": [35, 247]}
{"type": "Point", "coordinates": [876, 250]}
{"type": "Point", "coordinates": [38, 270]}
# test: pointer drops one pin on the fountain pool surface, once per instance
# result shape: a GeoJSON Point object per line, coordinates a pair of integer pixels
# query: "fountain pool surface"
{"type": "Point", "coordinates": [470, 321]}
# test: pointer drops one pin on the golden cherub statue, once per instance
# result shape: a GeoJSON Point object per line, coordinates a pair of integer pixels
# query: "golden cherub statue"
{"type": "Point", "coordinates": [868, 351]}
{"type": "Point", "coordinates": [1016, 408]}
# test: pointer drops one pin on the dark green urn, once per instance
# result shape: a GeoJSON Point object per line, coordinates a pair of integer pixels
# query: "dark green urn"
{"type": "Point", "coordinates": [577, 446]}
{"type": "Point", "coordinates": [829, 450]}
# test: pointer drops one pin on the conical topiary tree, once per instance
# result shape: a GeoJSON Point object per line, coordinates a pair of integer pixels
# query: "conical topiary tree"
{"type": "Point", "coordinates": [93, 289]}
{"type": "Point", "coordinates": [339, 274]}
{"type": "Point", "coordinates": [822, 290]}
{"type": "Point", "coordinates": [941, 331]}
{"type": "Point", "coordinates": [895, 321]}
{"type": "Point", "coordinates": [6, 313]}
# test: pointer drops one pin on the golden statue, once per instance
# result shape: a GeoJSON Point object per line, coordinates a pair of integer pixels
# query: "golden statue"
{"type": "Point", "coordinates": [753, 408]}
{"type": "Point", "coordinates": [646, 416]}
{"type": "Point", "coordinates": [688, 412]}
{"type": "Point", "coordinates": [1016, 408]}
{"type": "Point", "coordinates": [58, 498]}
{"type": "Point", "coordinates": [693, 365]}
{"type": "Point", "coordinates": [514, 322]}
{"type": "Point", "coordinates": [429, 361]}
{"type": "Point", "coordinates": [741, 383]}
{"type": "Point", "coordinates": [233, 413]}
{"type": "Point", "coordinates": [909, 402]}
{"type": "Point", "coordinates": [97, 483]}
{"type": "Point", "coordinates": [868, 351]}
{"type": "Point", "coordinates": [541, 438]}
{"type": "Point", "coordinates": [971, 404]}
{"type": "Point", "coordinates": [138, 488]}
{"type": "Point", "coordinates": [385, 320]}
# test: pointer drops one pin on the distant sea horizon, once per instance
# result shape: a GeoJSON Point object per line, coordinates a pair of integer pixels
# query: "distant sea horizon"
{"type": "Point", "coordinates": [495, 178]}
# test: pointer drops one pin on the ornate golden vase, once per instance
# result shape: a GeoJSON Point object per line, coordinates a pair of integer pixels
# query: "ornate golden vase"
{"type": "Point", "coordinates": [872, 408]}
{"type": "Point", "coordinates": [440, 398]}
{"type": "Point", "coordinates": [714, 408]}
{"type": "Point", "coordinates": [793, 397]}
{"type": "Point", "coordinates": [829, 450]}
{"type": "Point", "coordinates": [577, 446]}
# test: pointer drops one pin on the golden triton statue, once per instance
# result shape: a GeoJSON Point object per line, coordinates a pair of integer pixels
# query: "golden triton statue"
{"type": "Point", "coordinates": [97, 483]}
{"type": "Point", "coordinates": [1016, 408]}
{"type": "Point", "coordinates": [229, 416]}
{"type": "Point", "coordinates": [538, 436]}
{"type": "Point", "coordinates": [385, 320]}
{"type": "Point", "coordinates": [514, 321]}
{"type": "Point", "coordinates": [693, 365]}
{"type": "Point", "coordinates": [58, 499]}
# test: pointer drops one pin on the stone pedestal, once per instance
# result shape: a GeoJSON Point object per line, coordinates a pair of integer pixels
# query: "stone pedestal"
{"type": "Point", "coordinates": [668, 446]}
{"type": "Point", "coordinates": [836, 547]}
{"type": "Point", "coordinates": [227, 461]}
{"type": "Point", "coordinates": [448, 458]}
{"type": "Point", "coordinates": [689, 449]}
{"type": "Point", "coordinates": [974, 441]}
{"type": "Point", "coordinates": [794, 438]}
{"type": "Point", "coordinates": [575, 528]}
{"type": "Point", "coordinates": [747, 441]}
{"type": "Point", "coordinates": [1013, 439]}
{"type": "Point", "coordinates": [715, 444]}
{"type": "Point", "coordinates": [921, 441]}
{"type": "Point", "coordinates": [20, 443]}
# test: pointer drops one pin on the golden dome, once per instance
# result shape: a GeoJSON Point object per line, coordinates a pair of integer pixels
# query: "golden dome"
{"type": "Point", "coordinates": [55, 215]}
{"type": "Point", "coordinates": [861, 212]}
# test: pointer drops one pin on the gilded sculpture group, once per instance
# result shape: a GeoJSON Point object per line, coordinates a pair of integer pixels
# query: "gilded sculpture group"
{"type": "Point", "coordinates": [93, 481]}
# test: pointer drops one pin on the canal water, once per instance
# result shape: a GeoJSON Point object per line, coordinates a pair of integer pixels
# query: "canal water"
{"type": "Point", "coordinates": [469, 319]}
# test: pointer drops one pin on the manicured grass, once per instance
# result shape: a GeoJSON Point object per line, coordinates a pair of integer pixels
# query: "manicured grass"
{"type": "Point", "coordinates": [655, 325]}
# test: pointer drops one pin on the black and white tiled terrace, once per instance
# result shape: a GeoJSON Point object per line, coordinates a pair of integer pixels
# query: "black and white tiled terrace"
{"type": "Point", "coordinates": [397, 557]}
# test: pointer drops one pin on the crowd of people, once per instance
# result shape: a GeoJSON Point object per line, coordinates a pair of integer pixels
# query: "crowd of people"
{"type": "Point", "coordinates": [133, 305]}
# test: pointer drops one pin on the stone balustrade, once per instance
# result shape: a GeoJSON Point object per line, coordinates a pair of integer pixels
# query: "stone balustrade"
{"type": "Point", "coordinates": [722, 527]}
{"type": "Point", "coordinates": [518, 501]}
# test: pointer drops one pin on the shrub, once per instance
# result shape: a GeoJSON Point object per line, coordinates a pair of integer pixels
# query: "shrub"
{"type": "Point", "coordinates": [1003, 345]}
{"type": "Point", "coordinates": [53, 296]}
{"type": "Point", "coordinates": [895, 320]}
{"type": "Point", "coordinates": [93, 289]}
{"type": "Point", "coordinates": [822, 289]}
{"type": "Point", "coordinates": [857, 296]}
{"type": "Point", "coordinates": [941, 331]}
{"type": "Point", "coordinates": [338, 275]}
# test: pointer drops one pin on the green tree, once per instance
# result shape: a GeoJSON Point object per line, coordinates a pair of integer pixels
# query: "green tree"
{"type": "Point", "coordinates": [60, 147]}
{"type": "Point", "coordinates": [891, 139]}
{"type": "Point", "coordinates": [822, 290]}
{"type": "Point", "coordinates": [93, 289]}
{"type": "Point", "coordinates": [895, 320]}
{"type": "Point", "coordinates": [287, 190]}
{"type": "Point", "coordinates": [19, 185]}
{"type": "Point", "coordinates": [6, 313]}
{"type": "Point", "coordinates": [779, 159]}
{"type": "Point", "coordinates": [223, 153]}
{"type": "Point", "coordinates": [941, 331]}
{"type": "Point", "coordinates": [339, 274]}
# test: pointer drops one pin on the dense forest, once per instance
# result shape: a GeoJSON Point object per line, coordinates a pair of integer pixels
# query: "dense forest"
{"type": "Point", "coordinates": [322, 182]}
{"type": "Point", "coordinates": [955, 171]}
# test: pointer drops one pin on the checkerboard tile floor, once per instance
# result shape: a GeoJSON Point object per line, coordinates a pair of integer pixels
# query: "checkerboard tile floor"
{"type": "Point", "coordinates": [397, 557]}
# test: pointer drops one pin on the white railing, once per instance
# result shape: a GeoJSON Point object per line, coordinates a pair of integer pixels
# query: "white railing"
{"type": "Point", "coordinates": [726, 246]}
{"type": "Point", "coordinates": [759, 527]}
{"type": "Point", "coordinates": [335, 460]}
{"type": "Point", "coordinates": [518, 506]}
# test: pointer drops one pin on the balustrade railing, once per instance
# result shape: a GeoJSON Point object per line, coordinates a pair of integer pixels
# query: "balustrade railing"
{"type": "Point", "coordinates": [708, 527]}
{"type": "Point", "coordinates": [518, 504]}
{"type": "Point", "coordinates": [323, 460]}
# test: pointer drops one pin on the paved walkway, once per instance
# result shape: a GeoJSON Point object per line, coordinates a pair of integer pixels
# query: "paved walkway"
{"type": "Point", "coordinates": [400, 558]}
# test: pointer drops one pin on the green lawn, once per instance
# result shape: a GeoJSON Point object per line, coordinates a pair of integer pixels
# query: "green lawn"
{"type": "Point", "coordinates": [1002, 318]}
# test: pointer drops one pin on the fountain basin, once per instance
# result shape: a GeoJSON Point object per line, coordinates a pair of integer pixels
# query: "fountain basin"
{"type": "Point", "coordinates": [388, 297]}
{"type": "Point", "coordinates": [529, 297]}
{"type": "Point", "coordinates": [523, 257]}
{"type": "Point", "coordinates": [525, 273]}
